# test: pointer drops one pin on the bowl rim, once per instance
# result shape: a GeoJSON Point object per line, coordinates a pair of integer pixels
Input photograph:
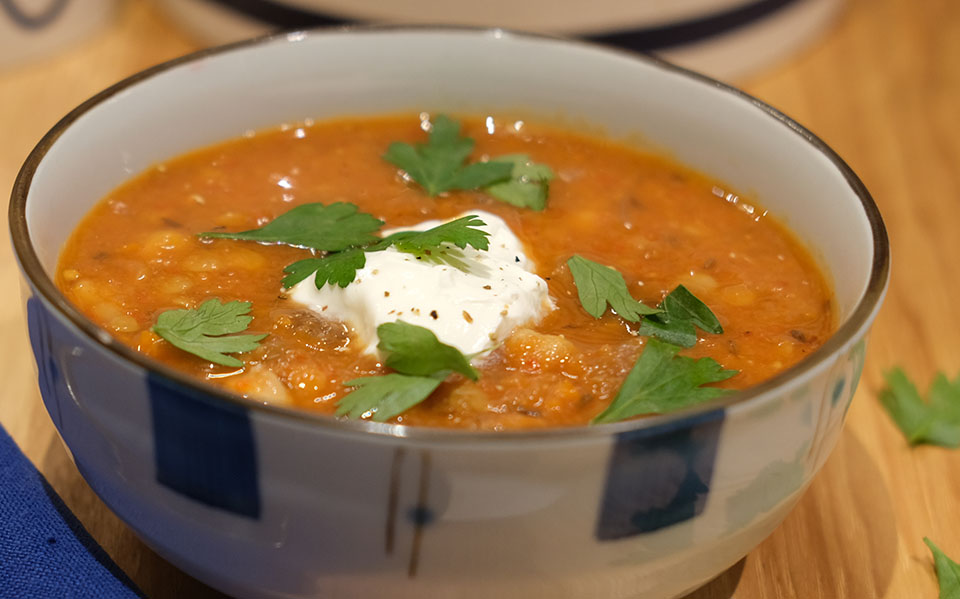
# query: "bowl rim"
{"type": "Point", "coordinates": [35, 274]}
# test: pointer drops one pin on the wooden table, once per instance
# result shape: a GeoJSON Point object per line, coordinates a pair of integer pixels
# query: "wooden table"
{"type": "Point", "coordinates": [882, 87]}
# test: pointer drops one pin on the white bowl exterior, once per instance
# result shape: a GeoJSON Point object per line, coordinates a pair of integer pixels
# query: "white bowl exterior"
{"type": "Point", "coordinates": [723, 53]}
{"type": "Point", "coordinates": [511, 517]}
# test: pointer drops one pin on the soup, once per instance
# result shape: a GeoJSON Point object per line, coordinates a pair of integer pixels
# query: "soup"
{"type": "Point", "coordinates": [140, 253]}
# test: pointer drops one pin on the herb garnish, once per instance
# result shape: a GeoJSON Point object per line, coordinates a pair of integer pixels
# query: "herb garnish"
{"type": "Point", "coordinates": [678, 313]}
{"type": "Point", "coordinates": [528, 185]}
{"type": "Point", "coordinates": [384, 397]}
{"type": "Point", "coordinates": [416, 350]}
{"type": "Point", "coordinates": [332, 228]}
{"type": "Point", "coordinates": [661, 381]}
{"type": "Point", "coordinates": [422, 362]}
{"type": "Point", "coordinates": [936, 421]}
{"type": "Point", "coordinates": [948, 572]}
{"type": "Point", "coordinates": [437, 245]}
{"type": "Point", "coordinates": [672, 321]}
{"type": "Point", "coordinates": [206, 331]}
{"type": "Point", "coordinates": [438, 164]}
{"type": "Point", "coordinates": [599, 285]}
{"type": "Point", "coordinates": [339, 268]}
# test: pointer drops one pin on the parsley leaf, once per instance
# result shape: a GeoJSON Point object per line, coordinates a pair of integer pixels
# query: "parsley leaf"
{"type": "Point", "coordinates": [384, 397]}
{"type": "Point", "coordinates": [936, 421]}
{"type": "Point", "coordinates": [437, 245]}
{"type": "Point", "coordinates": [207, 330]}
{"type": "Point", "coordinates": [948, 572]}
{"type": "Point", "coordinates": [338, 268]}
{"type": "Point", "coordinates": [460, 232]}
{"type": "Point", "coordinates": [679, 312]}
{"type": "Point", "coordinates": [599, 285]}
{"type": "Point", "coordinates": [332, 228]}
{"type": "Point", "coordinates": [438, 165]}
{"type": "Point", "coordinates": [433, 245]}
{"type": "Point", "coordinates": [661, 381]}
{"type": "Point", "coordinates": [528, 185]}
{"type": "Point", "coordinates": [416, 350]}
{"type": "Point", "coordinates": [422, 362]}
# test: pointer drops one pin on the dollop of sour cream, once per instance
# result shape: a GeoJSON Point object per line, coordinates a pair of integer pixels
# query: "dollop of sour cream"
{"type": "Point", "coordinates": [473, 309]}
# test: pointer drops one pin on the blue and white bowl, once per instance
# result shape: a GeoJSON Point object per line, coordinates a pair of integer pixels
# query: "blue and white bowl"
{"type": "Point", "coordinates": [265, 501]}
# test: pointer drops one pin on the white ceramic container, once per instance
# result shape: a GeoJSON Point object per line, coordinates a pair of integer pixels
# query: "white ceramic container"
{"type": "Point", "coordinates": [262, 501]}
{"type": "Point", "coordinates": [723, 38]}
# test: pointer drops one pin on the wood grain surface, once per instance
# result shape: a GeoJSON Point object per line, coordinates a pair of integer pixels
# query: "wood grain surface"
{"type": "Point", "coordinates": [882, 87]}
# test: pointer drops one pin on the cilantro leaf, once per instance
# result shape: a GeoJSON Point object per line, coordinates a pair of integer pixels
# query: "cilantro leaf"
{"type": "Point", "coordinates": [599, 285]}
{"type": "Point", "coordinates": [206, 331]}
{"type": "Point", "coordinates": [661, 381]}
{"type": "Point", "coordinates": [936, 421]}
{"type": "Point", "coordinates": [384, 397]}
{"type": "Point", "coordinates": [948, 572]}
{"type": "Point", "coordinates": [438, 165]}
{"type": "Point", "coordinates": [332, 228]}
{"type": "Point", "coordinates": [338, 268]}
{"type": "Point", "coordinates": [416, 350]}
{"type": "Point", "coordinates": [528, 185]}
{"type": "Point", "coordinates": [679, 313]}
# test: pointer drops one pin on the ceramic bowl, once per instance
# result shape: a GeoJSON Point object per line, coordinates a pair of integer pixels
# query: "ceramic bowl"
{"type": "Point", "coordinates": [263, 501]}
{"type": "Point", "coordinates": [723, 38]}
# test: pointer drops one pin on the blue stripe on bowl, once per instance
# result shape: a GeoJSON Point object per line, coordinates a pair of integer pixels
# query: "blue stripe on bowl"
{"type": "Point", "coordinates": [204, 448]}
{"type": "Point", "coordinates": [659, 477]}
{"type": "Point", "coordinates": [48, 375]}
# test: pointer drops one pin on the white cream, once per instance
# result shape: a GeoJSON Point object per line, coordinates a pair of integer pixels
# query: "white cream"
{"type": "Point", "coordinates": [472, 311]}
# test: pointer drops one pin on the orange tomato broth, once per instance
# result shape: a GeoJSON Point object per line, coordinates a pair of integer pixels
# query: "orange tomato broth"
{"type": "Point", "coordinates": [137, 254]}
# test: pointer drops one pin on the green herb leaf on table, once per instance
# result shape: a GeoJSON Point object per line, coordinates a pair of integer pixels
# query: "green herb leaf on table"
{"type": "Point", "coordinates": [438, 165]}
{"type": "Point", "coordinates": [422, 362]}
{"type": "Point", "coordinates": [331, 228]}
{"type": "Point", "coordinates": [417, 351]}
{"type": "Point", "coordinates": [679, 313]}
{"type": "Point", "coordinates": [207, 331]}
{"type": "Point", "coordinates": [937, 421]}
{"type": "Point", "coordinates": [661, 381]}
{"type": "Point", "coordinates": [599, 285]}
{"type": "Point", "coordinates": [528, 186]}
{"type": "Point", "coordinates": [339, 268]}
{"type": "Point", "coordinates": [948, 572]}
{"type": "Point", "coordinates": [384, 397]}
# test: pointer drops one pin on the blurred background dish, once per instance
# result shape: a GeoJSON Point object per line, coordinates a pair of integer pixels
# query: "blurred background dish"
{"type": "Point", "coordinates": [726, 39]}
{"type": "Point", "coordinates": [34, 28]}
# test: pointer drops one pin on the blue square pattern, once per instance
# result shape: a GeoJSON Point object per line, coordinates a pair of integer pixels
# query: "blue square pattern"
{"type": "Point", "coordinates": [659, 477]}
{"type": "Point", "coordinates": [204, 449]}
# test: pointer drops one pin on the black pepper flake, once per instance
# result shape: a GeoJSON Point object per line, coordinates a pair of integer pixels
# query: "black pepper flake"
{"type": "Point", "coordinates": [516, 258]}
{"type": "Point", "coordinates": [434, 315]}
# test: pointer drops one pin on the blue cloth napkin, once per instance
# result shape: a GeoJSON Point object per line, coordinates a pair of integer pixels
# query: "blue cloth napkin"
{"type": "Point", "coordinates": [44, 550]}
